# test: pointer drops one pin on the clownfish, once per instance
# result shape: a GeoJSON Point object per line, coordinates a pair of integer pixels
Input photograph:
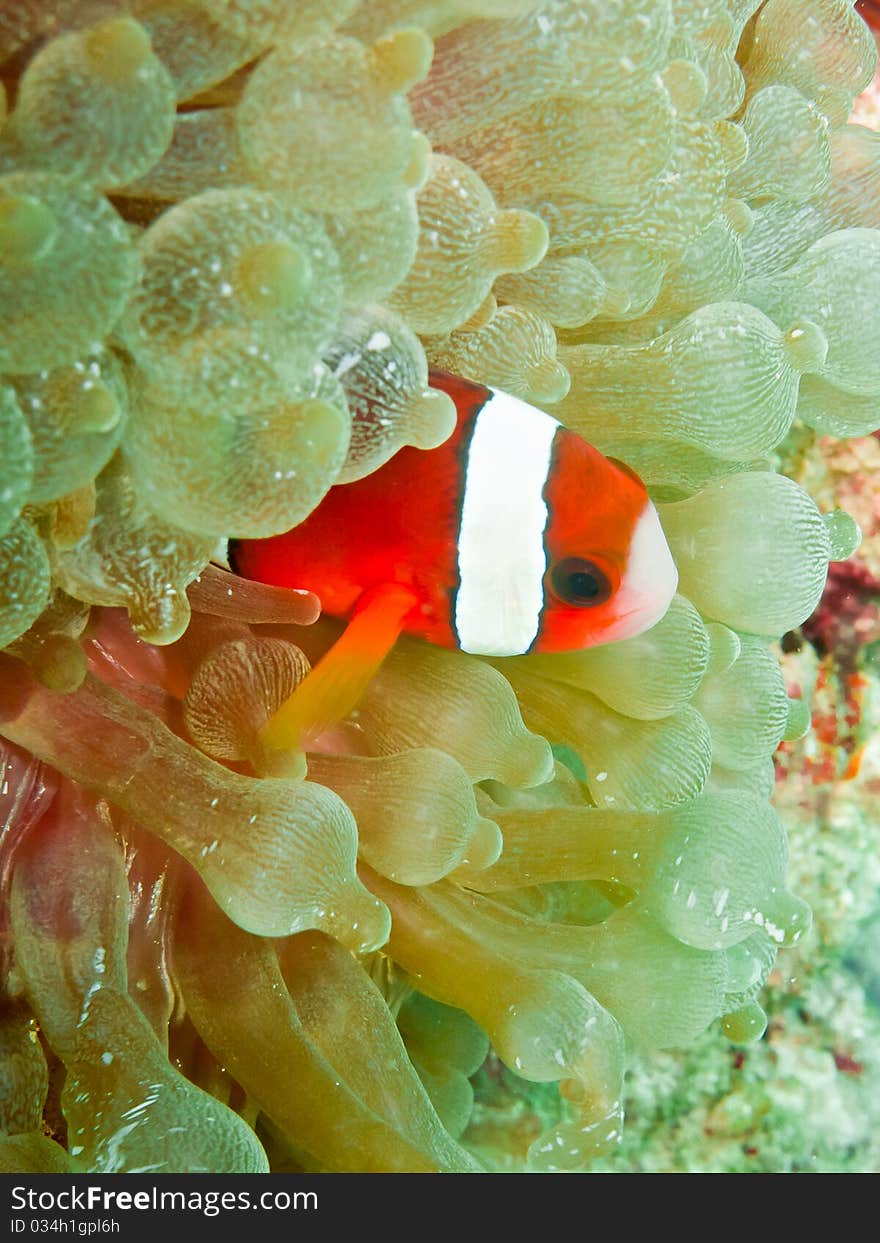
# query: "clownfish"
{"type": "Point", "coordinates": [513, 536]}
{"type": "Point", "coordinates": [869, 10]}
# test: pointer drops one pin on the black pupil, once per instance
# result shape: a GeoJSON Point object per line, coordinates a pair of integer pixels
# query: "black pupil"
{"type": "Point", "coordinates": [580, 582]}
{"type": "Point", "coordinates": [583, 585]}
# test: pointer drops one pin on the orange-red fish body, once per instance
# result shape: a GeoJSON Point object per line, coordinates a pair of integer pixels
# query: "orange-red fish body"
{"type": "Point", "coordinates": [515, 535]}
{"type": "Point", "coordinates": [870, 11]}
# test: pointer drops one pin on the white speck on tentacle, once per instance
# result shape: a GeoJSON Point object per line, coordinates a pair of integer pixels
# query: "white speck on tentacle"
{"type": "Point", "coordinates": [346, 362]}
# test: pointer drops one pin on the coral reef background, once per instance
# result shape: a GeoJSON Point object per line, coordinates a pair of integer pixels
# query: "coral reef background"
{"type": "Point", "coordinates": [508, 901]}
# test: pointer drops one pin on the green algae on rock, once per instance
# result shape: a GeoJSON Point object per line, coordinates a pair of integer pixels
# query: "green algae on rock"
{"type": "Point", "coordinates": [228, 256]}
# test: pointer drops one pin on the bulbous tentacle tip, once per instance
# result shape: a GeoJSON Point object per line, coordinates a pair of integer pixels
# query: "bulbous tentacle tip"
{"type": "Point", "coordinates": [432, 418]}
{"type": "Point", "coordinates": [358, 920]}
{"type": "Point", "coordinates": [483, 849]}
{"type": "Point", "coordinates": [515, 241]}
{"type": "Point", "coordinates": [416, 172]}
{"type": "Point", "coordinates": [35, 1153]}
{"type": "Point", "coordinates": [27, 229]}
{"type": "Point", "coordinates": [96, 409]}
{"type": "Point", "coordinates": [739, 216]}
{"type": "Point", "coordinates": [117, 48]}
{"type": "Point", "coordinates": [844, 534]}
{"type": "Point", "coordinates": [569, 1146]}
{"type": "Point", "coordinates": [402, 58]}
{"type": "Point", "coordinates": [273, 277]}
{"type": "Point", "coordinates": [161, 619]}
{"type": "Point", "coordinates": [806, 346]}
{"type": "Point", "coordinates": [724, 648]}
{"type": "Point", "coordinates": [785, 918]}
{"type": "Point", "coordinates": [687, 86]}
{"type": "Point", "coordinates": [548, 382]}
{"type": "Point", "coordinates": [745, 1026]}
{"type": "Point", "coordinates": [70, 517]}
{"type": "Point", "coordinates": [538, 764]}
{"type": "Point", "coordinates": [60, 664]}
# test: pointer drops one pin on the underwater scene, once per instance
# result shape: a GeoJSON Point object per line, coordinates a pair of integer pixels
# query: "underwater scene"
{"type": "Point", "coordinates": [439, 586]}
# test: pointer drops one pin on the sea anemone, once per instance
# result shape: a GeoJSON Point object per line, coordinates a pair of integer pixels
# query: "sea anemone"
{"type": "Point", "coordinates": [234, 236]}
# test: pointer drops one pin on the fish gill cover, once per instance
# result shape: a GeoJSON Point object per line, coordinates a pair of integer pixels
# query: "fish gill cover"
{"type": "Point", "coordinates": [234, 234]}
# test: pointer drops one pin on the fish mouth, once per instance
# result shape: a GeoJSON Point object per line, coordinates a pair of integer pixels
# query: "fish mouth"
{"type": "Point", "coordinates": [651, 618]}
{"type": "Point", "coordinates": [641, 617]}
{"type": "Point", "coordinates": [650, 580]}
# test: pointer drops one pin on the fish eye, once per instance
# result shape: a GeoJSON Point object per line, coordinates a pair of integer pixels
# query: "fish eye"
{"type": "Point", "coordinates": [580, 582]}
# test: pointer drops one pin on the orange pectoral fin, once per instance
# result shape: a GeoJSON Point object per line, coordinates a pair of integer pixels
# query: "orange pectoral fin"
{"type": "Point", "coordinates": [335, 685]}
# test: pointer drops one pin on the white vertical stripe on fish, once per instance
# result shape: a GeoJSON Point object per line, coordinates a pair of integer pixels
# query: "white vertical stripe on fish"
{"type": "Point", "coordinates": [501, 555]}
